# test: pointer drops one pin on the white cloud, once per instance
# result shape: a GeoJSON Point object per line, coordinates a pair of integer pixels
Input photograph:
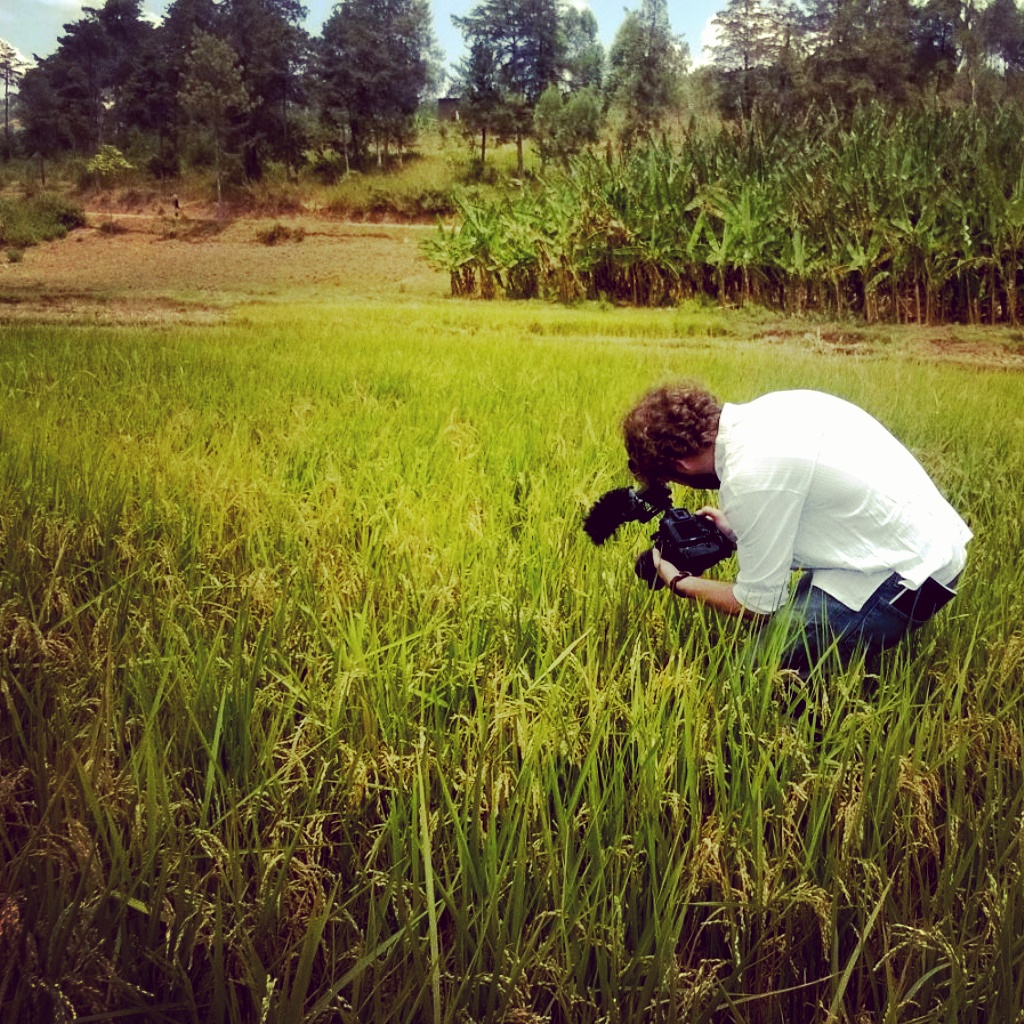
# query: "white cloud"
{"type": "Point", "coordinates": [32, 26]}
{"type": "Point", "coordinates": [708, 39]}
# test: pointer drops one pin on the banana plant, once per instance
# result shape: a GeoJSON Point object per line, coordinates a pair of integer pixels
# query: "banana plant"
{"type": "Point", "coordinates": [912, 217]}
{"type": "Point", "coordinates": [800, 261]}
{"type": "Point", "coordinates": [1009, 246]}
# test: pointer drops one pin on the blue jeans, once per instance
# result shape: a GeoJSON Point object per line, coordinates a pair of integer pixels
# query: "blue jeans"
{"type": "Point", "coordinates": [826, 633]}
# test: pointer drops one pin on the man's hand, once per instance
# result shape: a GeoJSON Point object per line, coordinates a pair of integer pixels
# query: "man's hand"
{"type": "Point", "coordinates": [717, 516]}
{"type": "Point", "coordinates": [666, 570]}
{"type": "Point", "coordinates": [716, 593]}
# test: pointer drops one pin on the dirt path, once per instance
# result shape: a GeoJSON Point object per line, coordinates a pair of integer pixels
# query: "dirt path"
{"type": "Point", "coordinates": [143, 268]}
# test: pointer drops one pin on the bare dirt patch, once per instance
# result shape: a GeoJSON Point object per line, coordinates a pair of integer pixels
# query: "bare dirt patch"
{"type": "Point", "coordinates": [154, 269]}
{"type": "Point", "coordinates": [997, 348]}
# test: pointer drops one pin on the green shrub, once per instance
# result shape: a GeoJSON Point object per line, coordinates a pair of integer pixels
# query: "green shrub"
{"type": "Point", "coordinates": [108, 165]}
{"type": "Point", "coordinates": [38, 219]}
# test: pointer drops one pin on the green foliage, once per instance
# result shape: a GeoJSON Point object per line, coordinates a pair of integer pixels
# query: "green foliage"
{"type": "Point", "coordinates": [213, 93]}
{"type": "Point", "coordinates": [72, 98]}
{"type": "Point", "coordinates": [117, 78]}
{"type": "Point", "coordinates": [108, 165]}
{"type": "Point", "coordinates": [374, 69]}
{"type": "Point", "coordinates": [39, 218]}
{"type": "Point", "coordinates": [910, 218]}
{"type": "Point", "coordinates": [212, 90]}
{"type": "Point", "coordinates": [108, 161]}
{"type": "Point", "coordinates": [823, 55]}
{"type": "Point", "coordinates": [270, 43]}
{"type": "Point", "coordinates": [647, 66]}
{"type": "Point", "coordinates": [318, 705]}
{"type": "Point", "coordinates": [564, 126]}
{"type": "Point", "coordinates": [517, 48]}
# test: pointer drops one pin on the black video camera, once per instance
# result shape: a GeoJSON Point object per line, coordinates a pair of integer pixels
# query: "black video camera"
{"type": "Point", "coordinates": [691, 543]}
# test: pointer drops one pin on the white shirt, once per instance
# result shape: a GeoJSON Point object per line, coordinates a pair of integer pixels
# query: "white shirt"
{"type": "Point", "coordinates": [813, 482]}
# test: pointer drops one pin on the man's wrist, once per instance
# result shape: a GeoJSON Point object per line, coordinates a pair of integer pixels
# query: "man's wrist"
{"type": "Point", "coordinates": [676, 580]}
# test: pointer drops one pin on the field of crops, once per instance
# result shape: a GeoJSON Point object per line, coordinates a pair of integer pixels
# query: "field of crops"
{"type": "Point", "coordinates": [317, 705]}
{"type": "Point", "coordinates": [903, 218]}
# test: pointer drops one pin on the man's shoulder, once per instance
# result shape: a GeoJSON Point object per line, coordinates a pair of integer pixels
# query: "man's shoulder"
{"type": "Point", "coordinates": [769, 418]}
{"type": "Point", "coordinates": [791, 398]}
{"type": "Point", "coordinates": [789, 417]}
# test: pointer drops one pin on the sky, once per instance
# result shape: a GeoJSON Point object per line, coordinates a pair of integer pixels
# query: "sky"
{"type": "Point", "coordinates": [33, 26]}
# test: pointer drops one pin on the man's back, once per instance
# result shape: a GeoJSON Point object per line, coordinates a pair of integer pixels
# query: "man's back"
{"type": "Point", "coordinates": [810, 480]}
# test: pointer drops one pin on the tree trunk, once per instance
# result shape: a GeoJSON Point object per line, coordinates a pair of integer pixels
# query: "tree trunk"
{"type": "Point", "coordinates": [1011, 291]}
{"type": "Point", "coordinates": [483, 146]}
{"type": "Point", "coordinates": [216, 167]}
{"type": "Point", "coordinates": [7, 119]}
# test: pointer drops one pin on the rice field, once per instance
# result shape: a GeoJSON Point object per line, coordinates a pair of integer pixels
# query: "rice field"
{"type": "Point", "coordinates": [317, 705]}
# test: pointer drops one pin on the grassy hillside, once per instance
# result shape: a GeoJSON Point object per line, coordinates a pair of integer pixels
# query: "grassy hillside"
{"type": "Point", "coordinates": [417, 186]}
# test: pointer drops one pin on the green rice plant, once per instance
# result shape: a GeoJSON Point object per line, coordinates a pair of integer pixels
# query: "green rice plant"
{"type": "Point", "coordinates": [316, 704]}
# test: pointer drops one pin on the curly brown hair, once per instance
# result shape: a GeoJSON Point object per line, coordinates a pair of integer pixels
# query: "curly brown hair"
{"type": "Point", "coordinates": [673, 421]}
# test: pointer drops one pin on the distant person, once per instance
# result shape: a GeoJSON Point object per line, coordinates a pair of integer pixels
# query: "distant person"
{"type": "Point", "coordinates": [806, 481]}
{"type": "Point", "coordinates": [177, 206]}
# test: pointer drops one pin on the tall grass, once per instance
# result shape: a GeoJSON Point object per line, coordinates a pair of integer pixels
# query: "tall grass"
{"type": "Point", "coordinates": [317, 705]}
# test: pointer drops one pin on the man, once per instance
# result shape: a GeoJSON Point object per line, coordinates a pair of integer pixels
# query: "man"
{"type": "Point", "coordinates": [807, 481]}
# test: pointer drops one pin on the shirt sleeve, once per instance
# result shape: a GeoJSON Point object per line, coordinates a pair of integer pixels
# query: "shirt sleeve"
{"type": "Point", "coordinates": [766, 526]}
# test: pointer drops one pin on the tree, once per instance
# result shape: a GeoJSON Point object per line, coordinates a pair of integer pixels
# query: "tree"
{"type": "Point", "coordinates": [375, 64]}
{"type": "Point", "coordinates": [11, 69]}
{"type": "Point", "coordinates": [213, 95]}
{"type": "Point", "coordinates": [126, 35]}
{"type": "Point", "coordinates": [564, 126]}
{"type": "Point", "coordinates": [480, 107]}
{"type": "Point", "coordinates": [936, 49]}
{"type": "Point", "coordinates": [522, 44]}
{"type": "Point", "coordinates": [151, 94]}
{"type": "Point", "coordinates": [1002, 31]}
{"type": "Point", "coordinates": [272, 53]}
{"type": "Point", "coordinates": [584, 57]}
{"type": "Point", "coordinates": [755, 38]}
{"type": "Point", "coordinates": [45, 130]}
{"type": "Point", "coordinates": [861, 51]}
{"type": "Point", "coordinates": [86, 78]}
{"type": "Point", "coordinates": [647, 67]}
